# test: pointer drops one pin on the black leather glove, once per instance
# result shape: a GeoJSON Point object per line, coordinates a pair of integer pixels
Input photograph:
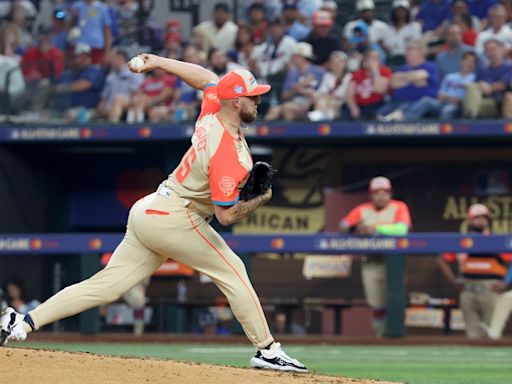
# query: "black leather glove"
{"type": "Point", "coordinates": [259, 181]}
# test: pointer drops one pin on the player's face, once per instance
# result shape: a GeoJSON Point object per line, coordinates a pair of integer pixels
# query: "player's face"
{"type": "Point", "coordinates": [249, 108]}
{"type": "Point", "coordinates": [479, 223]}
{"type": "Point", "coordinates": [381, 198]}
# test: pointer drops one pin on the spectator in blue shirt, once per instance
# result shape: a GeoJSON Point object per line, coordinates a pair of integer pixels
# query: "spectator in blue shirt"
{"type": "Point", "coordinates": [480, 9]}
{"type": "Point", "coordinates": [82, 85]}
{"type": "Point", "coordinates": [361, 43]}
{"type": "Point", "coordinates": [449, 60]}
{"type": "Point", "coordinates": [434, 14]}
{"type": "Point", "coordinates": [485, 96]}
{"type": "Point", "coordinates": [59, 31]}
{"type": "Point", "coordinates": [93, 26]}
{"type": "Point", "coordinates": [291, 18]}
{"type": "Point", "coordinates": [412, 81]}
{"type": "Point", "coordinates": [449, 100]}
{"type": "Point", "coordinates": [120, 85]}
{"type": "Point", "coordinates": [299, 86]}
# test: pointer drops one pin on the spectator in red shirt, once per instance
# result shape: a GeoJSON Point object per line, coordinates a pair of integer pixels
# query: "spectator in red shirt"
{"type": "Point", "coordinates": [156, 96]}
{"type": "Point", "coordinates": [368, 87]}
{"type": "Point", "coordinates": [43, 61]}
{"type": "Point", "coordinates": [42, 64]}
{"type": "Point", "coordinates": [465, 22]}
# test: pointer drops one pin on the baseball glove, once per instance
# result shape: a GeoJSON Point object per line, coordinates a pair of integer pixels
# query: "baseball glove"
{"type": "Point", "coordinates": [259, 181]}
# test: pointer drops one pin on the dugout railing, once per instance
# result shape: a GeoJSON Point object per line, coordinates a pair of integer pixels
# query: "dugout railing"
{"type": "Point", "coordinates": [91, 245]}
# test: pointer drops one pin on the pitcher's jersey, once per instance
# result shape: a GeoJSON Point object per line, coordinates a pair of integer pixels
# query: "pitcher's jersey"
{"type": "Point", "coordinates": [216, 164]}
{"type": "Point", "coordinates": [395, 212]}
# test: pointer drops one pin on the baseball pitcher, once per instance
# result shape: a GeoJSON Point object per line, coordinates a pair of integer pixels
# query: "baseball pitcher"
{"type": "Point", "coordinates": [173, 222]}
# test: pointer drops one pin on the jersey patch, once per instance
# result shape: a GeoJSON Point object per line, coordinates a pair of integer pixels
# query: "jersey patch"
{"type": "Point", "coordinates": [227, 185]}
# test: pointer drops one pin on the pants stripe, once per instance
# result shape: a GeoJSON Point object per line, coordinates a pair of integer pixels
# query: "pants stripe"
{"type": "Point", "coordinates": [231, 266]}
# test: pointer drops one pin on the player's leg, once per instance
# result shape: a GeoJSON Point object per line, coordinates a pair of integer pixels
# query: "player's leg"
{"type": "Point", "coordinates": [374, 284]}
{"type": "Point", "coordinates": [470, 311]}
{"type": "Point", "coordinates": [135, 297]}
{"type": "Point", "coordinates": [502, 311]}
{"type": "Point", "coordinates": [131, 263]}
{"type": "Point", "coordinates": [196, 244]}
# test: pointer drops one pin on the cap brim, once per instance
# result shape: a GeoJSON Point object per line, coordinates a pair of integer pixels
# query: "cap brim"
{"type": "Point", "coordinates": [259, 90]}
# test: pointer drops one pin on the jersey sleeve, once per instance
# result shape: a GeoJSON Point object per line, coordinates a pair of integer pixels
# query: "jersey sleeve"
{"type": "Point", "coordinates": [403, 215]}
{"type": "Point", "coordinates": [353, 218]}
{"type": "Point", "coordinates": [225, 174]}
{"type": "Point", "coordinates": [210, 103]}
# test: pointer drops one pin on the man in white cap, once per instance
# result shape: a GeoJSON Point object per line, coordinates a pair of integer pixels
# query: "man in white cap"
{"type": "Point", "coordinates": [480, 276]}
{"type": "Point", "coordinates": [380, 216]}
{"type": "Point", "coordinates": [301, 82]}
{"type": "Point", "coordinates": [379, 31]}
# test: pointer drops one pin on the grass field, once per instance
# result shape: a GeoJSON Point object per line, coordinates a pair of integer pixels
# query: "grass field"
{"type": "Point", "coordinates": [416, 365]}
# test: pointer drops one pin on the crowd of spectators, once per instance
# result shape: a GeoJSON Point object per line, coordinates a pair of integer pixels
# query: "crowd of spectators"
{"type": "Point", "coordinates": [412, 59]}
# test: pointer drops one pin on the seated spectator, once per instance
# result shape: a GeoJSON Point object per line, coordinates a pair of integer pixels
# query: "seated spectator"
{"type": "Point", "coordinates": [301, 82]}
{"type": "Point", "coordinates": [498, 28]}
{"type": "Point", "coordinates": [322, 39]}
{"type": "Point", "coordinates": [270, 60]}
{"type": "Point", "coordinates": [42, 65]}
{"type": "Point", "coordinates": [332, 90]}
{"type": "Point", "coordinates": [469, 34]}
{"type": "Point", "coordinates": [15, 297]}
{"type": "Point", "coordinates": [413, 80]}
{"type": "Point", "coordinates": [485, 96]}
{"type": "Point", "coordinates": [459, 8]}
{"type": "Point", "coordinates": [258, 22]}
{"type": "Point", "coordinates": [155, 98]}
{"type": "Point", "coordinates": [12, 85]}
{"type": "Point", "coordinates": [434, 16]}
{"type": "Point", "coordinates": [218, 62]}
{"type": "Point", "coordinates": [360, 43]}
{"type": "Point", "coordinates": [332, 7]}
{"type": "Point", "coordinates": [80, 87]}
{"type": "Point", "coordinates": [448, 60]}
{"type": "Point", "coordinates": [480, 9]}
{"type": "Point", "coordinates": [244, 46]}
{"type": "Point", "coordinates": [293, 21]}
{"type": "Point", "coordinates": [127, 20]}
{"type": "Point", "coordinates": [120, 85]}
{"type": "Point", "coordinates": [59, 31]}
{"type": "Point", "coordinates": [92, 23]}
{"type": "Point", "coordinates": [220, 32]}
{"type": "Point", "coordinates": [403, 29]}
{"type": "Point", "coordinates": [186, 108]}
{"type": "Point", "coordinates": [368, 87]}
{"type": "Point", "coordinates": [44, 60]}
{"type": "Point", "coordinates": [172, 44]}
{"type": "Point", "coordinates": [378, 31]}
{"type": "Point", "coordinates": [451, 94]}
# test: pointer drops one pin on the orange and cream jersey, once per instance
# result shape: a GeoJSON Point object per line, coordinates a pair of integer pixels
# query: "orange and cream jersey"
{"type": "Point", "coordinates": [395, 212]}
{"type": "Point", "coordinates": [480, 266]}
{"type": "Point", "coordinates": [216, 165]}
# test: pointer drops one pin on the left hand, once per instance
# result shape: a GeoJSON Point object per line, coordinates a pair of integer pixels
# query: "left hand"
{"type": "Point", "coordinates": [499, 287]}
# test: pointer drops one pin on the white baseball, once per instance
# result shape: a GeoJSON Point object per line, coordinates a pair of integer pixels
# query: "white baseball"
{"type": "Point", "coordinates": [136, 63]}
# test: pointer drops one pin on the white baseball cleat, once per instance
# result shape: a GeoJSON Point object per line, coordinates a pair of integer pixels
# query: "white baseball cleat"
{"type": "Point", "coordinates": [488, 331]}
{"type": "Point", "coordinates": [275, 358]}
{"type": "Point", "coordinates": [11, 326]}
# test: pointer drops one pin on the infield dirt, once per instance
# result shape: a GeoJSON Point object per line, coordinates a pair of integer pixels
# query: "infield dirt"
{"type": "Point", "coordinates": [22, 366]}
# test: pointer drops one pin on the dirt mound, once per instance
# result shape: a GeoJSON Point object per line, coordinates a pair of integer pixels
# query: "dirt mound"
{"type": "Point", "coordinates": [56, 367]}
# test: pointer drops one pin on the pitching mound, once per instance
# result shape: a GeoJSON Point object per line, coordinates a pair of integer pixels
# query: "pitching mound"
{"type": "Point", "coordinates": [56, 367]}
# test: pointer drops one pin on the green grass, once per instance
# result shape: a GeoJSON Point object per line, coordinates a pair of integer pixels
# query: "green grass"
{"type": "Point", "coordinates": [415, 365]}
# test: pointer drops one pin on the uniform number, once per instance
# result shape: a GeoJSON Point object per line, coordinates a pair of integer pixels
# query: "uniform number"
{"type": "Point", "coordinates": [186, 165]}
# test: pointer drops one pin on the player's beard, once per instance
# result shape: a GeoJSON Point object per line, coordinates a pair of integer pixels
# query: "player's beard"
{"type": "Point", "coordinates": [247, 116]}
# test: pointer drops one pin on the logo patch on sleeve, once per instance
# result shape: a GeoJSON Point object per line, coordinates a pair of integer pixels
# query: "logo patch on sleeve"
{"type": "Point", "coordinates": [227, 185]}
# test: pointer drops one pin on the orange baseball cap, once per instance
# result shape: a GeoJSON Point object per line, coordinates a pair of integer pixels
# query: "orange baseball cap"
{"type": "Point", "coordinates": [239, 83]}
{"type": "Point", "coordinates": [476, 210]}
{"type": "Point", "coordinates": [380, 183]}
